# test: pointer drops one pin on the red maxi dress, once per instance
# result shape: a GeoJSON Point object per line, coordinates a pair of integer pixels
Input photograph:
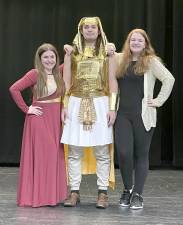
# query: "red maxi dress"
{"type": "Point", "coordinates": [42, 175]}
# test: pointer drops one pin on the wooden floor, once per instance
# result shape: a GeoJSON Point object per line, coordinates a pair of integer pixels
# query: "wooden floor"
{"type": "Point", "coordinates": [163, 203]}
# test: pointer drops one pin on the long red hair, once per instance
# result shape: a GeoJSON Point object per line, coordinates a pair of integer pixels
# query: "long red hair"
{"type": "Point", "coordinates": [144, 58]}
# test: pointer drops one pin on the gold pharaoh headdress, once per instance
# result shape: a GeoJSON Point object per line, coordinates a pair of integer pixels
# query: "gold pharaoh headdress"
{"type": "Point", "coordinates": [78, 38]}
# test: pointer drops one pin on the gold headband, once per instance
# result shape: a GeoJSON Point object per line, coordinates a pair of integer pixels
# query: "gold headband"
{"type": "Point", "coordinates": [89, 20]}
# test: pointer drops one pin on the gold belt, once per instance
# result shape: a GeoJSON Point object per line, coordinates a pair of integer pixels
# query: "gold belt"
{"type": "Point", "coordinates": [88, 95]}
{"type": "Point", "coordinates": [51, 100]}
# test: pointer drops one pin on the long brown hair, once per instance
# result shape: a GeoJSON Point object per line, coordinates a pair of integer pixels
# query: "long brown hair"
{"type": "Point", "coordinates": [144, 58]}
{"type": "Point", "coordinates": [40, 88]}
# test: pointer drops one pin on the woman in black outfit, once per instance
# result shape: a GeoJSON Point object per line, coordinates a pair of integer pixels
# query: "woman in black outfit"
{"type": "Point", "coordinates": [138, 68]}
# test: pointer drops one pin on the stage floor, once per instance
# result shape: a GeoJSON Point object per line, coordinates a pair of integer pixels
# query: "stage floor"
{"type": "Point", "coordinates": [163, 203]}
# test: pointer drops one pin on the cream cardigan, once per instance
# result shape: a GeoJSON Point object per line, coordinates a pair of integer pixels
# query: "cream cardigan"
{"type": "Point", "coordinates": [155, 71]}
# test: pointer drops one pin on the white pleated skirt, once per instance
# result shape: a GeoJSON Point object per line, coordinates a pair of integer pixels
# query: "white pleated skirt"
{"type": "Point", "coordinates": [100, 134]}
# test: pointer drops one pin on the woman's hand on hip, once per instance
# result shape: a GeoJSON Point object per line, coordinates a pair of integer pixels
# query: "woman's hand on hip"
{"type": "Point", "coordinates": [152, 103]}
{"type": "Point", "coordinates": [36, 110]}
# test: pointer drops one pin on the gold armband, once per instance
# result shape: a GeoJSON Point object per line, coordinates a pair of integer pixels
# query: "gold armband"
{"type": "Point", "coordinates": [113, 101]}
{"type": "Point", "coordinates": [66, 99]}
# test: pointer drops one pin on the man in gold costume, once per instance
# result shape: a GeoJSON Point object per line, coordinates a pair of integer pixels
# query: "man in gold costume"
{"type": "Point", "coordinates": [89, 106]}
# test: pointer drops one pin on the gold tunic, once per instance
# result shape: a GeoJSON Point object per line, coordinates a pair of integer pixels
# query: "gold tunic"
{"type": "Point", "coordinates": [89, 80]}
{"type": "Point", "coordinates": [89, 76]}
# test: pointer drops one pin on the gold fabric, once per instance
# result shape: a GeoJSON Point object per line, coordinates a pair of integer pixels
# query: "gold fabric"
{"type": "Point", "coordinates": [89, 20]}
{"type": "Point", "coordinates": [89, 163]}
{"type": "Point", "coordinates": [66, 99]}
{"type": "Point", "coordinates": [89, 77]}
{"type": "Point", "coordinates": [89, 51]}
{"type": "Point", "coordinates": [113, 100]}
{"type": "Point", "coordinates": [87, 113]}
{"type": "Point", "coordinates": [51, 100]}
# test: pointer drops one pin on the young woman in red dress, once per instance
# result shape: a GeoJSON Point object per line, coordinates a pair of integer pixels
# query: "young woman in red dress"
{"type": "Point", "coordinates": [42, 176]}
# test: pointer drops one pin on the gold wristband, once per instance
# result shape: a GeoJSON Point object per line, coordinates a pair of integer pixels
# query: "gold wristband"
{"type": "Point", "coordinates": [113, 98]}
{"type": "Point", "coordinates": [66, 99]}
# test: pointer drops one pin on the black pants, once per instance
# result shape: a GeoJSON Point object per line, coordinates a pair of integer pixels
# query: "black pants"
{"type": "Point", "coordinates": [132, 142]}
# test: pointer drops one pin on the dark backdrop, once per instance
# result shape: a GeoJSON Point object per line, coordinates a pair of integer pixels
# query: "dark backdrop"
{"type": "Point", "coordinates": [24, 25]}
